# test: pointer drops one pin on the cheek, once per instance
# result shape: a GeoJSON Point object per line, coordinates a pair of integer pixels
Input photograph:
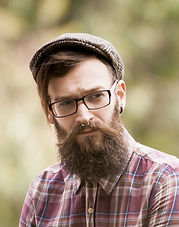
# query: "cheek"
{"type": "Point", "coordinates": [105, 114]}
{"type": "Point", "coordinates": [108, 113]}
{"type": "Point", "coordinates": [66, 123]}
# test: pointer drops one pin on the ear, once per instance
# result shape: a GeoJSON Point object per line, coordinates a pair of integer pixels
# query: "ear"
{"type": "Point", "coordinates": [121, 93]}
{"type": "Point", "coordinates": [48, 113]}
{"type": "Point", "coordinates": [50, 118]}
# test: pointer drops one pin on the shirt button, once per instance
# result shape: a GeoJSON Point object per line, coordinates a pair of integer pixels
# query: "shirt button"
{"type": "Point", "coordinates": [90, 210]}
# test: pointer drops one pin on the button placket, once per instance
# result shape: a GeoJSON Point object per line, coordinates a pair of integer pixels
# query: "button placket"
{"type": "Point", "coordinates": [90, 201]}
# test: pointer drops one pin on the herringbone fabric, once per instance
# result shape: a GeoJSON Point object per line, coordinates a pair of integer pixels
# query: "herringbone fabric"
{"type": "Point", "coordinates": [81, 40]}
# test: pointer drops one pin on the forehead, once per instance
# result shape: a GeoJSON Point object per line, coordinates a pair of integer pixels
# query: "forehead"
{"type": "Point", "coordinates": [88, 75]}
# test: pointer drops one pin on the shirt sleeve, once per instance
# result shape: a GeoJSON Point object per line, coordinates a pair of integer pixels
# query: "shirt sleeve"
{"type": "Point", "coordinates": [27, 218]}
{"type": "Point", "coordinates": [164, 202]}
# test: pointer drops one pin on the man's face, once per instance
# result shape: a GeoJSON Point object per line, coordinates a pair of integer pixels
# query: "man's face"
{"type": "Point", "coordinates": [98, 149]}
{"type": "Point", "coordinates": [89, 76]}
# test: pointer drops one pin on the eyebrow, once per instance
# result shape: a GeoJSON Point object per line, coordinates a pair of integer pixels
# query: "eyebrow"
{"type": "Point", "coordinates": [86, 92]}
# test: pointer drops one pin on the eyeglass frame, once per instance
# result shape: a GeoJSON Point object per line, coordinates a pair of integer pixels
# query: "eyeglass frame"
{"type": "Point", "coordinates": [82, 99]}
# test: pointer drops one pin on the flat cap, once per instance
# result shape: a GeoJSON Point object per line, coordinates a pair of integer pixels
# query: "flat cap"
{"type": "Point", "coordinates": [81, 40]}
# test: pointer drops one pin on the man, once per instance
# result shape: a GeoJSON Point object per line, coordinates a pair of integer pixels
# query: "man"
{"type": "Point", "coordinates": [104, 178]}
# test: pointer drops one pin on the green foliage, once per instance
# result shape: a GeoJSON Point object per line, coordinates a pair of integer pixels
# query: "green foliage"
{"type": "Point", "coordinates": [146, 35]}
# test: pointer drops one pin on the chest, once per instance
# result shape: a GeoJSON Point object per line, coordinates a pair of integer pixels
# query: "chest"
{"type": "Point", "coordinates": [91, 206]}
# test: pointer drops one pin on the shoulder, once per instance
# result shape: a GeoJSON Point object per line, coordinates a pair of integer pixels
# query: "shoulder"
{"type": "Point", "coordinates": [54, 172]}
{"type": "Point", "coordinates": [149, 162]}
{"type": "Point", "coordinates": [156, 172]}
{"type": "Point", "coordinates": [52, 177]}
{"type": "Point", "coordinates": [154, 165]}
{"type": "Point", "coordinates": [145, 159]}
{"type": "Point", "coordinates": [157, 157]}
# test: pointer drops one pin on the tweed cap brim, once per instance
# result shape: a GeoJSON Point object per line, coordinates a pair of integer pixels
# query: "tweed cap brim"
{"type": "Point", "coordinates": [81, 40]}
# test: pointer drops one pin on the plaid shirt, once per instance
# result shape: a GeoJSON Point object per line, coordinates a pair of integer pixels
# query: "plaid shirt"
{"type": "Point", "coordinates": [145, 194]}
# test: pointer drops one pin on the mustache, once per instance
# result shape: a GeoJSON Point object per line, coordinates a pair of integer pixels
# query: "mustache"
{"type": "Point", "coordinates": [100, 126]}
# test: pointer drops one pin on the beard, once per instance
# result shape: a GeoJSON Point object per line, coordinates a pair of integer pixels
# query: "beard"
{"type": "Point", "coordinates": [97, 156]}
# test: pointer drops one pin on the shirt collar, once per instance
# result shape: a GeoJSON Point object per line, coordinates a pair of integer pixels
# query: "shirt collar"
{"type": "Point", "coordinates": [76, 183]}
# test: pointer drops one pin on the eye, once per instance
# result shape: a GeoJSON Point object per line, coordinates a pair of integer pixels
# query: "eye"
{"type": "Point", "coordinates": [65, 103]}
{"type": "Point", "coordinates": [95, 96]}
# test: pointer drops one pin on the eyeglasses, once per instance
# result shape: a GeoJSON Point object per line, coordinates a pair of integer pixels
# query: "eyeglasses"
{"type": "Point", "coordinates": [92, 101]}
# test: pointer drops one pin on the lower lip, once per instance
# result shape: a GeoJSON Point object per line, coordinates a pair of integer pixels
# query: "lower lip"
{"type": "Point", "coordinates": [88, 133]}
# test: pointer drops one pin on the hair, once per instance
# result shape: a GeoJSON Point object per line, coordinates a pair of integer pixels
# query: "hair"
{"type": "Point", "coordinates": [59, 64]}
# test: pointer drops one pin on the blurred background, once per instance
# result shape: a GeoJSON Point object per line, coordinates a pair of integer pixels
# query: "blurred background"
{"type": "Point", "coordinates": [146, 35]}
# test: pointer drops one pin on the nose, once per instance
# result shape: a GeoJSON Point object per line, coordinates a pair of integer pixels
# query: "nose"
{"type": "Point", "coordinates": [83, 114]}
